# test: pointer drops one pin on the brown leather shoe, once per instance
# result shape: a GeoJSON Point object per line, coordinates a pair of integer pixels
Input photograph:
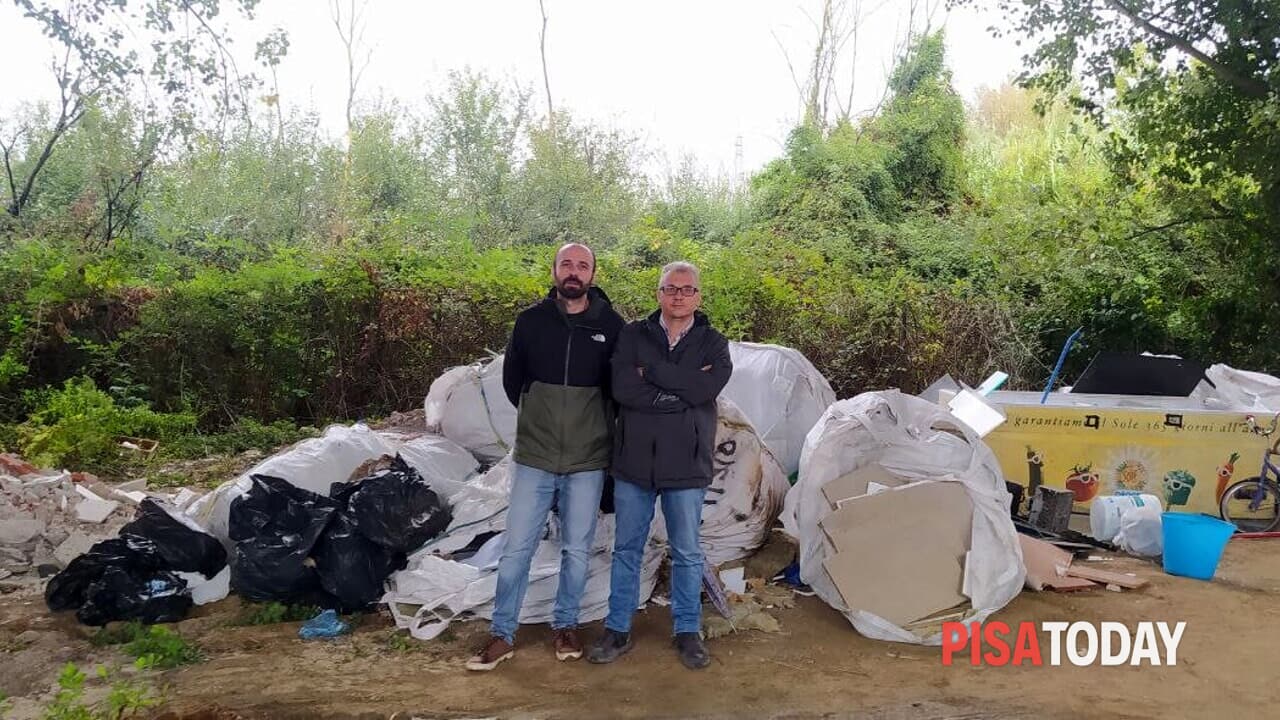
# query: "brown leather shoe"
{"type": "Point", "coordinates": [494, 651]}
{"type": "Point", "coordinates": [568, 644]}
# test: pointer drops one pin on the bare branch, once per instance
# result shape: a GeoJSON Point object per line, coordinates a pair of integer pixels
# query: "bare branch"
{"type": "Point", "coordinates": [795, 79]}
{"type": "Point", "coordinates": [225, 59]}
{"type": "Point", "coordinates": [1176, 223]}
{"type": "Point", "coordinates": [546, 77]}
{"type": "Point", "coordinates": [7, 149]}
{"type": "Point", "coordinates": [71, 109]}
{"type": "Point", "coordinates": [352, 36]}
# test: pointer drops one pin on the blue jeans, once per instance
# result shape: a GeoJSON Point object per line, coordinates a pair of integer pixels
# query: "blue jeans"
{"type": "Point", "coordinates": [633, 509]}
{"type": "Point", "coordinates": [532, 493]}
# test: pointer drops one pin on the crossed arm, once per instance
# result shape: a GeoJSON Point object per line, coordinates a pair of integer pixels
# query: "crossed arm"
{"type": "Point", "coordinates": [665, 387]}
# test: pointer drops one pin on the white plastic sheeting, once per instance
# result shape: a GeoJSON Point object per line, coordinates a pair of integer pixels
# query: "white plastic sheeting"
{"type": "Point", "coordinates": [1242, 390]}
{"type": "Point", "coordinates": [426, 596]}
{"type": "Point", "coordinates": [912, 438]}
{"type": "Point", "coordinates": [316, 463]}
{"type": "Point", "coordinates": [468, 405]}
{"type": "Point", "coordinates": [444, 464]}
{"type": "Point", "coordinates": [746, 494]}
{"type": "Point", "coordinates": [781, 393]}
{"type": "Point", "coordinates": [1141, 531]}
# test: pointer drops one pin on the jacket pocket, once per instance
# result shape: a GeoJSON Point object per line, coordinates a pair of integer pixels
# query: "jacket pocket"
{"type": "Point", "coordinates": [537, 423]}
{"type": "Point", "coordinates": [586, 427]}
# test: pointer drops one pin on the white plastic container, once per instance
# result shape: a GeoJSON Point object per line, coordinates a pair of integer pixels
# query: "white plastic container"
{"type": "Point", "coordinates": [1141, 531]}
{"type": "Point", "coordinates": [1107, 510]}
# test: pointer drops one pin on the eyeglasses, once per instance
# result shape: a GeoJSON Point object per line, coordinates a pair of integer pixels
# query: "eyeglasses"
{"type": "Point", "coordinates": [685, 290]}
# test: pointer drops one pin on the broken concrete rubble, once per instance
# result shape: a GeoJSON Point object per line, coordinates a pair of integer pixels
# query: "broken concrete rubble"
{"type": "Point", "coordinates": [19, 529]}
{"type": "Point", "coordinates": [139, 485]}
{"type": "Point", "coordinates": [48, 518]}
{"type": "Point", "coordinates": [76, 544]}
{"type": "Point", "coordinates": [17, 467]}
{"type": "Point", "coordinates": [92, 507]}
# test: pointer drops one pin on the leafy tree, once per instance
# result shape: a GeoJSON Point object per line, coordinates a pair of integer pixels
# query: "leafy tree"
{"type": "Point", "coordinates": [1196, 85]}
{"type": "Point", "coordinates": [581, 182]}
{"type": "Point", "coordinates": [107, 47]}
{"type": "Point", "coordinates": [923, 123]}
{"type": "Point", "coordinates": [475, 130]}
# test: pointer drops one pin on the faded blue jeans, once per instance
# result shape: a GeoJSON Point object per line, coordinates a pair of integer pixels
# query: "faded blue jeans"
{"type": "Point", "coordinates": [633, 509]}
{"type": "Point", "coordinates": [532, 493]}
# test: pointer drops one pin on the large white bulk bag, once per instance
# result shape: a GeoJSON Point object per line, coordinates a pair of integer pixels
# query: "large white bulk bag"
{"type": "Point", "coordinates": [911, 438]}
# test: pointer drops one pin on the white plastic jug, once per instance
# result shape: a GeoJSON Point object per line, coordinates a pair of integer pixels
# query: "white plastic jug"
{"type": "Point", "coordinates": [1107, 510]}
{"type": "Point", "coordinates": [1141, 531]}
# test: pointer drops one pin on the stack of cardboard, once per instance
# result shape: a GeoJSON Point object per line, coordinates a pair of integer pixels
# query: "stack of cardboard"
{"type": "Point", "coordinates": [1050, 568]}
{"type": "Point", "coordinates": [900, 543]}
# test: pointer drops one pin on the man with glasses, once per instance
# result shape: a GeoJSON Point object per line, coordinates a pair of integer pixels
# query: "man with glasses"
{"type": "Point", "coordinates": [667, 371]}
{"type": "Point", "coordinates": [556, 372]}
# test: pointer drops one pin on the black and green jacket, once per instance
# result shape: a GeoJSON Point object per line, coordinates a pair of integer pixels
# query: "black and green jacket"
{"type": "Point", "coordinates": [557, 374]}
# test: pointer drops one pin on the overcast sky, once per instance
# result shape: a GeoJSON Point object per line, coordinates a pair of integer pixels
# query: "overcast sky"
{"type": "Point", "coordinates": [686, 76]}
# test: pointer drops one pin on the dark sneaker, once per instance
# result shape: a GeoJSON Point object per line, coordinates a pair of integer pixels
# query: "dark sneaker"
{"type": "Point", "coordinates": [611, 646]}
{"type": "Point", "coordinates": [494, 651]}
{"type": "Point", "coordinates": [568, 644]}
{"type": "Point", "coordinates": [691, 650]}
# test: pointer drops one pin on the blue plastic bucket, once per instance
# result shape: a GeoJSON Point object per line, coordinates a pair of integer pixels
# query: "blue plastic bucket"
{"type": "Point", "coordinates": [1193, 544]}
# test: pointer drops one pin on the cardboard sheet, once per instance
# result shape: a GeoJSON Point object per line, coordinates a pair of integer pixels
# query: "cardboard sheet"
{"type": "Point", "coordinates": [856, 483]}
{"type": "Point", "coordinates": [900, 553]}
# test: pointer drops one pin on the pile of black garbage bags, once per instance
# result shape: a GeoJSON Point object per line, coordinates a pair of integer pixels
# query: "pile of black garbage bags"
{"type": "Point", "coordinates": [295, 546]}
{"type": "Point", "coordinates": [291, 545]}
{"type": "Point", "coordinates": [135, 576]}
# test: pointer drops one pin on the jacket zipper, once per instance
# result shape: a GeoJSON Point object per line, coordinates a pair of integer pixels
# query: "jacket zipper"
{"type": "Point", "coordinates": [564, 408]}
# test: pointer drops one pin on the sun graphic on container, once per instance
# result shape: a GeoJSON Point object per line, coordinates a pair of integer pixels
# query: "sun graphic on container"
{"type": "Point", "coordinates": [1132, 468]}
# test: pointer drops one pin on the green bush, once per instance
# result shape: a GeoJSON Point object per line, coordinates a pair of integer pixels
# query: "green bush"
{"type": "Point", "coordinates": [160, 647]}
{"type": "Point", "coordinates": [243, 434]}
{"type": "Point", "coordinates": [274, 613]}
{"type": "Point", "coordinates": [78, 426]}
{"type": "Point", "coordinates": [126, 698]}
{"type": "Point", "coordinates": [151, 646]}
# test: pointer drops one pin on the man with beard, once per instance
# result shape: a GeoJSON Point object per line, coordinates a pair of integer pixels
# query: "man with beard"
{"type": "Point", "coordinates": [557, 373]}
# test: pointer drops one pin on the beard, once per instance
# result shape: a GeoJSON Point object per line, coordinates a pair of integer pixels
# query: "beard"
{"type": "Point", "coordinates": [571, 288]}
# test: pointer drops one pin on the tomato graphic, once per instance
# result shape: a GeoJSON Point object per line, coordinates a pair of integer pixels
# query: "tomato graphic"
{"type": "Point", "coordinates": [1083, 482]}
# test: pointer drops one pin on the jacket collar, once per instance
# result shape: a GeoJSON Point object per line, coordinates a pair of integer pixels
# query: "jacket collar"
{"type": "Point", "coordinates": [598, 302]}
{"type": "Point", "coordinates": [699, 319]}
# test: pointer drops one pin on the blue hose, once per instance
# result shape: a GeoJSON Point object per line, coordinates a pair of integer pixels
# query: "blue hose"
{"type": "Point", "coordinates": [1062, 357]}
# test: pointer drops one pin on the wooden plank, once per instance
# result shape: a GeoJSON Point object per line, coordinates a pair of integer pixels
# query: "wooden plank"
{"type": "Point", "coordinates": [1106, 577]}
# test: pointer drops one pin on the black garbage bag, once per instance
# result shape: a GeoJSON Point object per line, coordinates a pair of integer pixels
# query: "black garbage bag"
{"type": "Point", "coordinates": [274, 506]}
{"type": "Point", "coordinates": [276, 527]}
{"type": "Point", "coordinates": [352, 568]}
{"type": "Point", "coordinates": [69, 589]}
{"type": "Point", "coordinates": [395, 508]}
{"type": "Point", "coordinates": [181, 547]}
{"type": "Point", "coordinates": [123, 593]}
{"type": "Point", "coordinates": [268, 569]}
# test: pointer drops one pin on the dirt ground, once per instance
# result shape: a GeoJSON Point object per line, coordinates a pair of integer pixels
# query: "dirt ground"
{"type": "Point", "coordinates": [818, 666]}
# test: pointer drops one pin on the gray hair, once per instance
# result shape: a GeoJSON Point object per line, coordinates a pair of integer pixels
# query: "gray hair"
{"type": "Point", "coordinates": [680, 266]}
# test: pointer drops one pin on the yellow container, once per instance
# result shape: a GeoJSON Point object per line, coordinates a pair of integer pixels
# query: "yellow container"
{"type": "Point", "coordinates": [1098, 445]}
